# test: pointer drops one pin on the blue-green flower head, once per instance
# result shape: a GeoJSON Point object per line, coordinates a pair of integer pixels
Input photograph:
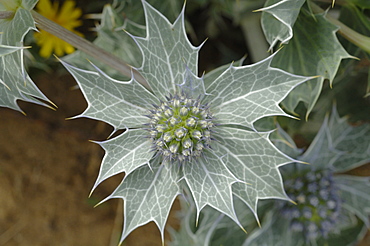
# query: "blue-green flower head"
{"type": "Point", "coordinates": [183, 131]}
{"type": "Point", "coordinates": [318, 204]}
{"type": "Point", "coordinates": [331, 206]}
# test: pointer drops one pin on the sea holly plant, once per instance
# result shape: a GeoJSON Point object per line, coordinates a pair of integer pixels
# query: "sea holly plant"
{"type": "Point", "coordinates": [183, 133]}
{"type": "Point", "coordinates": [200, 136]}
{"type": "Point", "coordinates": [331, 208]}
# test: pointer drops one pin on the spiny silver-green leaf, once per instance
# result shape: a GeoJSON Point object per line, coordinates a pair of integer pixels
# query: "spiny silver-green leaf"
{"type": "Point", "coordinates": [285, 143]}
{"type": "Point", "coordinates": [209, 77]}
{"type": "Point", "coordinates": [15, 84]}
{"type": "Point", "coordinates": [193, 86]}
{"type": "Point", "coordinates": [124, 153]}
{"type": "Point", "coordinates": [121, 104]}
{"type": "Point", "coordinates": [204, 230]}
{"type": "Point", "coordinates": [355, 192]}
{"type": "Point", "coordinates": [313, 51]}
{"type": "Point", "coordinates": [338, 145]}
{"type": "Point", "coordinates": [274, 231]}
{"type": "Point", "coordinates": [278, 18]}
{"type": "Point", "coordinates": [210, 181]}
{"type": "Point", "coordinates": [352, 141]}
{"type": "Point", "coordinates": [6, 49]}
{"type": "Point", "coordinates": [242, 95]}
{"type": "Point", "coordinates": [253, 160]}
{"type": "Point", "coordinates": [227, 233]}
{"type": "Point", "coordinates": [214, 228]}
{"type": "Point", "coordinates": [320, 153]}
{"type": "Point", "coordinates": [148, 193]}
{"type": "Point", "coordinates": [167, 53]}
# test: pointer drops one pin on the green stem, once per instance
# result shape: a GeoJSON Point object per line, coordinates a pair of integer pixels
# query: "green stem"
{"type": "Point", "coordinates": [351, 35]}
{"type": "Point", "coordinates": [83, 45]}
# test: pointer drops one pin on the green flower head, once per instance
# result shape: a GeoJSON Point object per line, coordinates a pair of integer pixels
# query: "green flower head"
{"type": "Point", "coordinates": [184, 131]}
{"type": "Point", "coordinates": [331, 206]}
{"type": "Point", "coordinates": [180, 128]}
{"type": "Point", "coordinates": [318, 204]}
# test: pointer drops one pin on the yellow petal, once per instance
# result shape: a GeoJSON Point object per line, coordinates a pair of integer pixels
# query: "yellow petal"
{"type": "Point", "coordinates": [44, 8]}
{"type": "Point", "coordinates": [68, 12]}
{"type": "Point", "coordinates": [69, 48]}
{"type": "Point", "coordinates": [41, 37]}
{"type": "Point", "coordinates": [67, 17]}
{"type": "Point", "coordinates": [46, 49]}
{"type": "Point", "coordinates": [72, 24]}
{"type": "Point", "coordinates": [58, 47]}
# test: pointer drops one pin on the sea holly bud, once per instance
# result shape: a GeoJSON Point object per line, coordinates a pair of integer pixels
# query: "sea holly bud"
{"type": "Point", "coordinates": [187, 143]}
{"type": "Point", "coordinates": [184, 111]}
{"type": "Point", "coordinates": [190, 122]}
{"type": "Point", "coordinates": [183, 121]}
{"type": "Point", "coordinates": [197, 134]}
{"type": "Point", "coordinates": [167, 136]}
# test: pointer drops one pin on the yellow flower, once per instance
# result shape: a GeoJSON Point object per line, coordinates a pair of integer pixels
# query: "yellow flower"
{"type": "Point", "coordinates": [67, 17]}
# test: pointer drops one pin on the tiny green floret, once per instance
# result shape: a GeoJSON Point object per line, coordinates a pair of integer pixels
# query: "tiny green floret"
{"type": "Point", "coordinates": [180, 128]}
